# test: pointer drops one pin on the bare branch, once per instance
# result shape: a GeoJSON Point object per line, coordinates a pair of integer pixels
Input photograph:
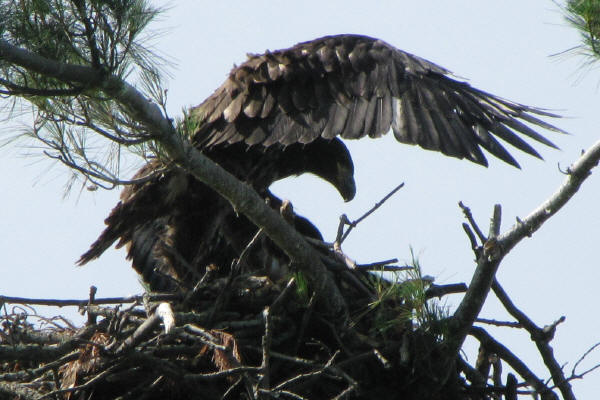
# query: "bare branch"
{"type": "Point", "coordinates": [469, 216]}
{"type": "Point", "coordinates": [578, 173]}
{"type": "Point", "coordinates": [541, 337]}
{"type": "Point", "coordinates": [515, 363]}
{"type": "Point", "coordinates": [583, 358]}
{"type": "Point", "coordinates": [354, 223]}
{"type": "Point", "coordinates": [71, 302]}
{"type": "Point", "coordinates": [496, 248]}
{"type": "Point", "coordinates": [441, 290]}
{"type": "Point", "coordinates": [510, 324]}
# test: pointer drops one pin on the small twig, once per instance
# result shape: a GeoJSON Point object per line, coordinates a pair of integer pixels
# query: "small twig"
{"type": "Point", "coordinates": [472, 239]}
{"type": "Point", "coordinates": [548, 331]}
{"type": "Point", "coordinates": [496, 370]}
{"type": "Point", "coordinates": [194, 379]}
{"type": "Point", "coordinates": [583, 358]}
{"type": "Point", "coordinates": [308, 375]}
{"type": "Point", "coordinates": [33, 373]}
{"type": "Point", "coordinates": [285, 357]}
{"type": "Point", "coordinates": [469, 216]}
{"type": "Point", "coordinates": [91, 317]}
{"type": "Point", "coordinates": [510, 390]}
{"type": "Point", "coordinates": [139, 334]}
{"type": "Point", "coordinates": [244, 255]}
{"type": "Point", "coordinates": [264, 381]}
{"type": "Point", "coordinates": [354, 223]}
{"type": "Point", "coordinates": [232, 388]}
{"type": "Point", "coordinates": [337, 369]}
{"type": "Point", "coordinates": [495, 222]}
{"type": "Point", "coordinates": [339, 237]}
{"type": "Point", "coordinates": [519, 315]}
{"type": "Point", "coordinates": [278, 394]}
{"type": "Point", "coordinates": [382, 265]}
{"type": "Point", "coordinates": [384, 361]}
{"type": "Point", "coordinates": [86, 385]}
{"type": "Point", "coordinates": [209, 274]}
{"type": "Point", "coordinates": [584, 373]}
{"type": "Point", "coordinates": [284, 293]}
{"type": "Point", "coordinates": [205, 336]}
{"type": "Point", "coordinates": [510, 324]}
{"type": "Point", "coordinates": [345, 392]}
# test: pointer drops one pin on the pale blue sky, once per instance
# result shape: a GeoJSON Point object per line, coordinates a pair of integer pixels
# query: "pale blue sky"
{"type": "Point", "coordinates": [501, 47]}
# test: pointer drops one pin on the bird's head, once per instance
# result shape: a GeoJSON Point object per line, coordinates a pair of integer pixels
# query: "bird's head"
{"type": "Point", "coordinates": [331, 161]}
{"type": "Point", "coordinates": [327, 159]}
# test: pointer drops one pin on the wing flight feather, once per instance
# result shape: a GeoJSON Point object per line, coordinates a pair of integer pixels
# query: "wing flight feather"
{"type": "Point", "coordinates": [355, 86]}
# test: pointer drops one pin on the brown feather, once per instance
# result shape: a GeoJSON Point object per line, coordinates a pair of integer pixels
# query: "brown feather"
{"type": "Point", "coordinates": [348, 85]}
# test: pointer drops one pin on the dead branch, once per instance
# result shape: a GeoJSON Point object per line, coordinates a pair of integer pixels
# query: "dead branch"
{"type": "Point", "coordinates": [497, 246]}
{"type": "Point", "coordinates": [510, 324]}
{"type": "Point", "coordinates": [515, 363]}
{"type": "Point", "coordinates": [34, 373]}
{"type": "Point", "coordinates": [352, 224]}
{"type": "Point", "coordinates": [469, 216]}
{"type": "Point", "coordinates": [384, 266]}
{"type": "Point", "coordinates": [541, 337]}
{"type": "Point", "coordinates": [581, 375]}
{"type": "Point", "coordinates": [264, 382]}
{"type": "Point", "coordinates": [139, 334]}
{"type": "Point", "coordinates": [103, 300]}
{"type": "Point", "coordinates": [198, 378]}
{"type": "Point", "coordinates": [578, 172]}
{"type": "Point", "coordinates": [441, 290]}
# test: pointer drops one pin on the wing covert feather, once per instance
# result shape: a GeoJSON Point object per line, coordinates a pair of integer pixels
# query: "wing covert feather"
{"type": "Point", "coordinates": [355, 86]}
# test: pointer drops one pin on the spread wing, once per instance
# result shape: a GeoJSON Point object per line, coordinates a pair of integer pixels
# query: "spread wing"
{"type": "Point", "coordinates": [354, 86]}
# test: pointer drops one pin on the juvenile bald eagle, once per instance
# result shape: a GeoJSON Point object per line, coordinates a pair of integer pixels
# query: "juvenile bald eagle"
{"type": "Point", "coordinates": [279, 114]}
{"type": "Point", "coordinates": [174, 225]}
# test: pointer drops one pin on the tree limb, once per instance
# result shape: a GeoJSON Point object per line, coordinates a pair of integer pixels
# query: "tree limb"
{"type": "Point", "coordinates": [515, 363]}
{"type": "Point", "coordinates": [541, 337]}
{"type": "Point", "coordinates": [495, 248]}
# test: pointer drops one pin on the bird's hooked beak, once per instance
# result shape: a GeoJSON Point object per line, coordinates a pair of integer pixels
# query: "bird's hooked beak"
{"type": "Point", "coordinates": [345, 185]}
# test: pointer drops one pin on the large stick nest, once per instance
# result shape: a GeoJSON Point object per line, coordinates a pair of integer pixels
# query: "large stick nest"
{"type": "Point", "coordinates": [239, 336]}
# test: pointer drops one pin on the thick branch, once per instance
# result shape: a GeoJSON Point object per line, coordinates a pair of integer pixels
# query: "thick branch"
{"type": "Point", "coordinates": [471, 304]}
{"type": "Point", "coordinates": [577, 173]}
{"type": "Point", "coordinates": [36, 353]}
